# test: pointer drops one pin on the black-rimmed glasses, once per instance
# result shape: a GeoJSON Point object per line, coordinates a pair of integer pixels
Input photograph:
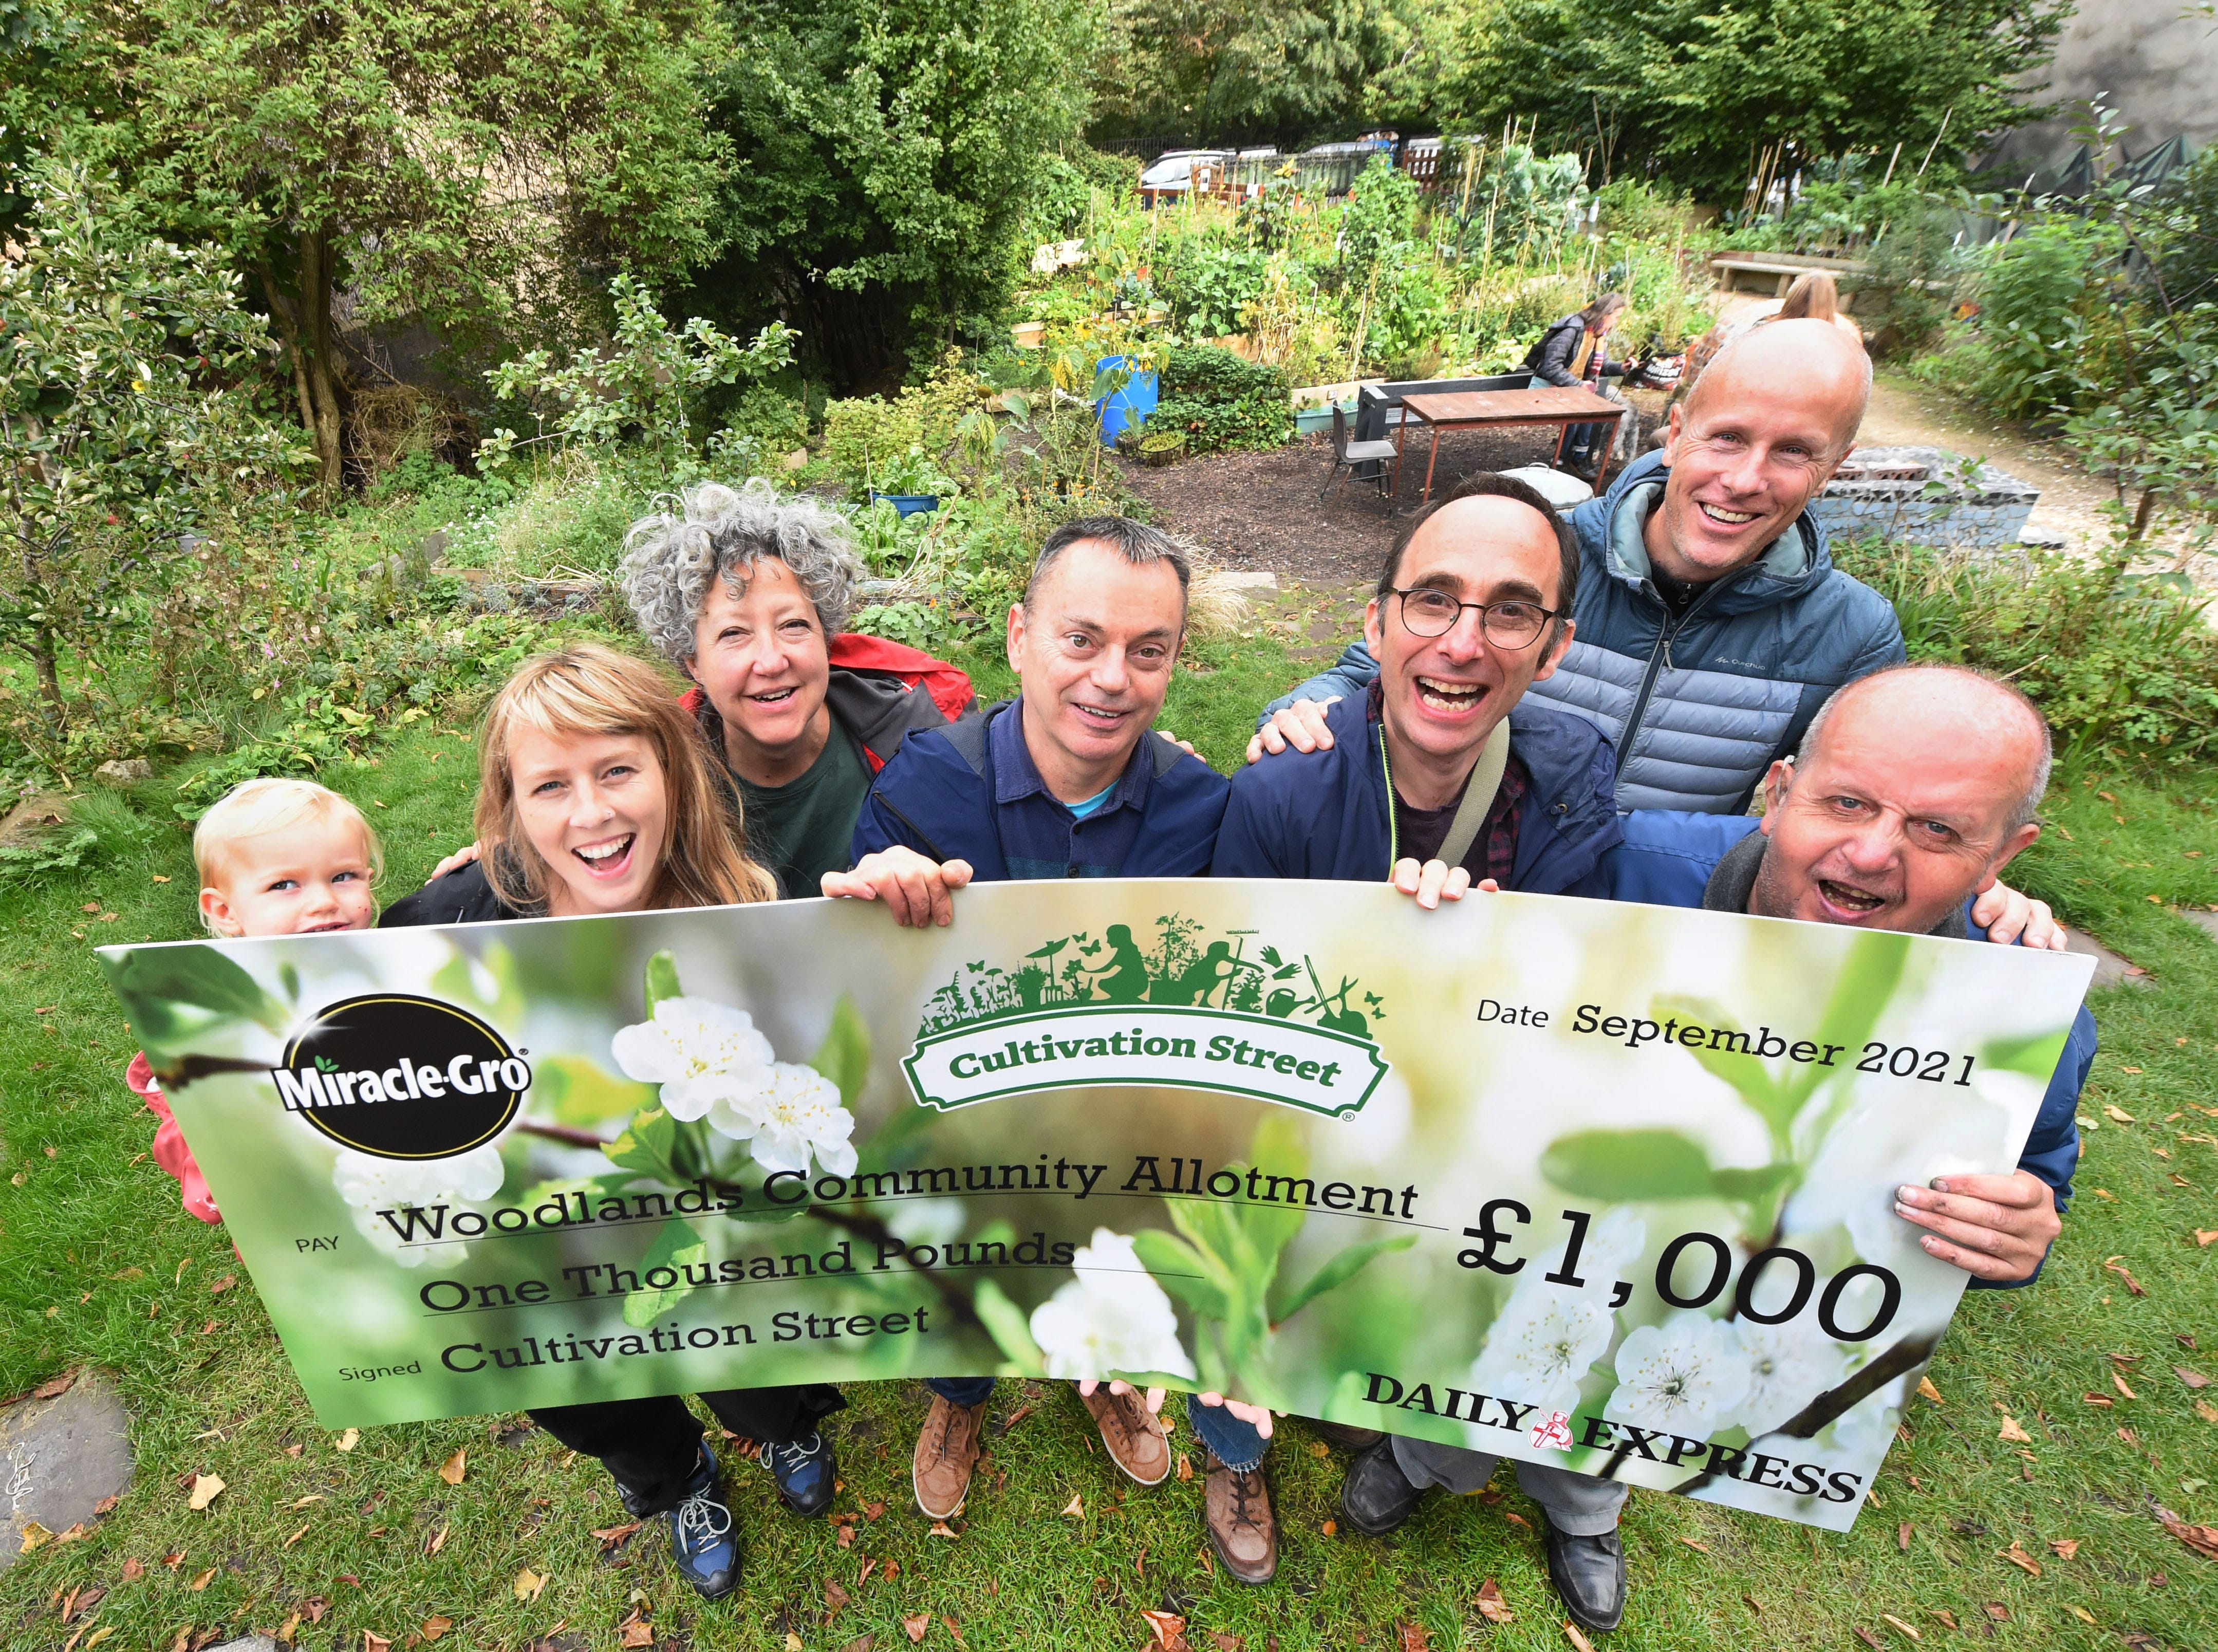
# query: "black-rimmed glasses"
{"type": "Point", "coordinates": [1511, 625]}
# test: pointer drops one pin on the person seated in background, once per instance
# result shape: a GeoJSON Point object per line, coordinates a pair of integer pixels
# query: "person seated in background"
{"type": "Point", "coordinates": [1915, 787]}
{"type": "Point", "coordinates": [1570, 354]}
{"type": "Point", "coordinates": [1814, 296]}
{"type": "Point", "coordinates": [1070, 780]}
{"type": "Point", "coordinates": [746, 592]}
{"type": "Point", "coordinates": [1712, 623]}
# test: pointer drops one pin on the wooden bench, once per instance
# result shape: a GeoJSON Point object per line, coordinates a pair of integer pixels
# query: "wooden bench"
{"type": "Point", "coordinates": [1731, 267]}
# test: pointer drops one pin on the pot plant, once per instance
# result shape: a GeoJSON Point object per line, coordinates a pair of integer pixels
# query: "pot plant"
{"type": "Point", "coordinates": [1164, 447]}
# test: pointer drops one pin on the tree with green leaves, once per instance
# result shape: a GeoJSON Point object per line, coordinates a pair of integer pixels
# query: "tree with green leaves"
{"type": "Point", "coordinates": [480, 165]}
{"type": "Point", "coordinates": [1699, 89]}
{"type": "Point", "coordinates": [126, 369]}
{"type": "Point", "coordinates": [1237, 71]}
{"type": "Point", "coordinates": [886, 155]}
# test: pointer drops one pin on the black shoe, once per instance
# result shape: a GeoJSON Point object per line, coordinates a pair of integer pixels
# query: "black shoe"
{"type": "Point", "coordinates": [1589, 1574]}
{"type": "Point", "coordinates": [703, 1537]}
{"type": "Point", "coordinates": [1377, 1496]}
{"type": "Point", "coordinates": [1346, 1436]}
{"type": "Point", "coordinates": [805, 1471]}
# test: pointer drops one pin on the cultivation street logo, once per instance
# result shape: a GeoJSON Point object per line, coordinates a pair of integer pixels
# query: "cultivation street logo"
{"type": "Point", "coordinates": [1086, 1011]}
{"type": "Point", "coordinates": [400, 1077]}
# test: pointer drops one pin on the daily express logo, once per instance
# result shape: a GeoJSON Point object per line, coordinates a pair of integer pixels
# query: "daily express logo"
{"type": "Point", "coordinates": [401, 1076]}
{"type": "Point", "coordinates": [1086, 1011]}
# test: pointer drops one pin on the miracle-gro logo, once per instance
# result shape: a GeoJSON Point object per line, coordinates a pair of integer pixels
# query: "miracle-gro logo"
{"type": "Point", "coordinates": [1082, 1012]}
{"type": "Point", "coordinates": [400, 1077]}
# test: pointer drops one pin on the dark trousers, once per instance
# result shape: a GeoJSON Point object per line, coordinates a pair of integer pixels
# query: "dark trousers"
{"type": "Point", "coordinates": [651, 1446]}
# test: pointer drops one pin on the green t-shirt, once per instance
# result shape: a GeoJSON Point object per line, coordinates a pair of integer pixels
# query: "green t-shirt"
{"type": "Point", "coordinates": [803, 829]}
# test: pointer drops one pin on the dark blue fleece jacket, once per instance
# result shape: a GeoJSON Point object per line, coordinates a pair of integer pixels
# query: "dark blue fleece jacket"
{"type": "Point", "coordinates": [939, 796]}
{"type": "Point", "coordinates": [1326, 814]}
{"type": "Point", "coordinates": [1667, 858]}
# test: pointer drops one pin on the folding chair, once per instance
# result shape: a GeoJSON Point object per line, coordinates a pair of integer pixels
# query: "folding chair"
{"type": "Point", "coordinates": [1346, 454]}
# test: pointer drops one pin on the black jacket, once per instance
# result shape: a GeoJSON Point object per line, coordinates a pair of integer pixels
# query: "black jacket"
{"type": "Point", "coordinates": [464, 895]}
{"type": "Point", "coordinates": [1549, 360]}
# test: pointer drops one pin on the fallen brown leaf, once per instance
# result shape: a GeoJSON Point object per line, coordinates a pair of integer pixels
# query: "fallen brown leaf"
{"type": "Point", "coordinates": [1753, 1604]}
{"type": "Point", "coordinates": [1331, 1527]}
{"type": "Point", "coordinates": [1414, 1638]}
{"type": "Point", "coordinates": [54, 1387]}
{"type": "Point", "coordinates": [2018, 1557]}
{"type": "Point", "coordinates": [2206, 1236]}
{"type": "Point", "coordinates": [372, 1642]}
{"type": "Point", "coordinates": [1902, 1537]}
{"type": "Point", "coordinates": [1905, 1628]}
{"type": "Point", "coordinates": [1696, 1542]}
{"type": "Point", "coordinates": [223, 1285]}
{"type": "Point", "coordinates": [2114, 1113]}
{"type": "Point", "coordinates": [174, 1559]}
{"type": "Point", "coordinates": [2203, 1539]}
{"type": "Point", "coordinates": [2102, 1399]}
{"type": "Point", "coordinates": [347, 1441]}
{"type": "Point", "coordinates": [957, 1634]}
{"type": "Point", "coordinates": [941, 1529]}
{"type": "Point", "coordinates": [1168, 1629]}
{"type": "Point", "coordinates": [1925, 1388]}
{"type": "Point", "coordinates": [891, 1570]}
{"type": "Point", "coordinates": [2065, 1548]}
{"type": "Point", "coordinates": [1996, 1610]}
{"type": "Point", "coordinates": [634, 1634]}
{"type": "Point", "coordinates": [1491, 1607]}
{"type": "Point", "coordinates": [861, 1643]}
{"type": "Point", "coordinates": [295, 1538]}
{"type": "Point", "coordinates": [206, 1489]}
{"type": "Point", "coordinates": [453, 1468]}
{"type": "Point", "coordinates": [873, 1511]}
{"type": "Point", "coordinates": [2119, 1383]}
{"type": "Point", "coordinates": [315, 1606]}
{"type": "Point", "coordinates": [435, 1626]}
{"type": "Point", "coordinates": [614, 1537]}
{"type": "Point", "coordinates": [914, 1627]}
{"type": "Point", "coordinates": [435, 1541]}
{"type": "Point", "coordinates": [1515, 1518]}
{"type": "Point", "coordinates": [1225, 1642]}
{"type": "Point", "coordinates": [2082, 1614]}
{"type": "Point", "coordinates": [1185, 1468]}
{"type": "Point", "coordinates": [1571, 1634]}
{"type": "Point", "coordinates": [2206, 1410]}
{"type": "Point", "coordinates": [1945, 1616]}
{"type": "Point", "coordinates": [529, 1583]}
{"type": "Point", "coordinates": [835, 1595]}
{"type": "Point", "coordinates": [1866, 1637]}
{"type": "Point", "coordinates": [2012, 1432]}
{"type": "Point", "coordinates": [2193, 1379]}
{"type": "Point", "coordinates": [1076, 1507]}
{"type": "Point", "coordinates": [133, 1571]}
{"type": "Point", "coordinates": [202, 1581]}
{"type": "Point", "coordinates": [2116, 1265]}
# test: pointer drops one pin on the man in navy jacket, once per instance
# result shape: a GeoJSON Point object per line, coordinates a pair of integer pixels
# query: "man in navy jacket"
{"type": "Point", "coordinates": [1914, 787]}
{"type": "Point", "coordinates": [1473, 608]}
{"type": "Point", "coordinates": [1069, 780]}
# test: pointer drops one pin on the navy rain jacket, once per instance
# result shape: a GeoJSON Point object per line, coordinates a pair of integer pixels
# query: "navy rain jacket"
{"type": "Point", "coordinates": [1697, 708]}
{"type": "Point", "coordinates": [1666, 860]}
{"type": "Point", "coordinates": [1325, 814]}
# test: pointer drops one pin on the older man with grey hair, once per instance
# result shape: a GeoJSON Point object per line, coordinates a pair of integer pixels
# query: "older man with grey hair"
{"type": "Point", "coordinates": [747, 592]}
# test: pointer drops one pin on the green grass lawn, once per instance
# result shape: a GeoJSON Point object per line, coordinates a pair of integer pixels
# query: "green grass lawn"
{"type": "Point", "coordinates": [98, 1266]}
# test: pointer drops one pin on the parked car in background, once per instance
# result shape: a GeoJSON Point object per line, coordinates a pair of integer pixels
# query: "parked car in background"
{"type": "Point", "coordinates": [1181, 170]}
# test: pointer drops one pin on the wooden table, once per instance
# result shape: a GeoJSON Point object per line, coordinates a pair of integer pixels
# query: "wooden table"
{"type": "Point", "coordinates": [1544, 404]}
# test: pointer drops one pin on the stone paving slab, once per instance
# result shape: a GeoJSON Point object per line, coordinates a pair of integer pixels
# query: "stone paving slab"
{"type": "Point", "coordinates": [60, 1457]}
{"type": "Point", "coordinates": [2110, 968]}
{"type": "Point", "coordinates": [2206, 921]}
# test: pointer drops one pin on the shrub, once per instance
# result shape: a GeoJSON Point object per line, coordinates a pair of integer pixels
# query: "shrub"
{"type": "Point", "coordinates": [1222, 401]}
{"type": "Point", "coordinates": [2121, 664]}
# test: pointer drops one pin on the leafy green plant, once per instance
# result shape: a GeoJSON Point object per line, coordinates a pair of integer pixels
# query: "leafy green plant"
{"type": "Point", "coordinates": [1222, 401]}
{"type": "Point", "coordinates": [647, 383]}
{"type": "Point", "coordinates": [123, 425]}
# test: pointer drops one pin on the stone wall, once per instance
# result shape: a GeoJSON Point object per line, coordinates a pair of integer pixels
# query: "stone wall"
{"type": "Point", "coordinates": [1924, 495]}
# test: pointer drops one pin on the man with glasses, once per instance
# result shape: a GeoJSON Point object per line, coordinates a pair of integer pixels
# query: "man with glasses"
{"type": "Point", "coordinates": [1438, 761]}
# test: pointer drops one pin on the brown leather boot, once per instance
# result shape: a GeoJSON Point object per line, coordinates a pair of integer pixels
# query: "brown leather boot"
{"type": "Point", "coordinates": [1133, 1434]}
{"type": "Point", "coordinates": [1241, 1528]}
{"type": "Point", "coordinates": [946, 1451]}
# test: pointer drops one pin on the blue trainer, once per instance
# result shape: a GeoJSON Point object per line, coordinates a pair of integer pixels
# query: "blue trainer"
{"type": "Point", "coordinates": [703, 1537]}
{"type": "Point", "coordinates": [805, 1471]}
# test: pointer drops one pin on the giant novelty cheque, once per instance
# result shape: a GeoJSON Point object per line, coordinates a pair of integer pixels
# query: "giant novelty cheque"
{"type": "Point", "coordinates": [1600, 1185]}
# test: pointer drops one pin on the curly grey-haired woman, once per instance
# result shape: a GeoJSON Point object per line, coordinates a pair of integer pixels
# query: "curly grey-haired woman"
{"type": "Point", "coordinates": [746, 591]}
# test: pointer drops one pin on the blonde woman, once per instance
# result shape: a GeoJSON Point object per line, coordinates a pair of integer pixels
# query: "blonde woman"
{"type": "Point", "coordinates": [596, 795]}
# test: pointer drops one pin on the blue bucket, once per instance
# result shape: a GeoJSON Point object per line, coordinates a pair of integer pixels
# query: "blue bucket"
{"type": "Point", "coordinates": [907, 503]}
{"type": "Point", "coordinates": [1129, 406]}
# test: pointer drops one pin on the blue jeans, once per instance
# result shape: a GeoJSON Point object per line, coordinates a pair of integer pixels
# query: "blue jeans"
{"type": "Point", "coordinates": [1236, 1443]}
